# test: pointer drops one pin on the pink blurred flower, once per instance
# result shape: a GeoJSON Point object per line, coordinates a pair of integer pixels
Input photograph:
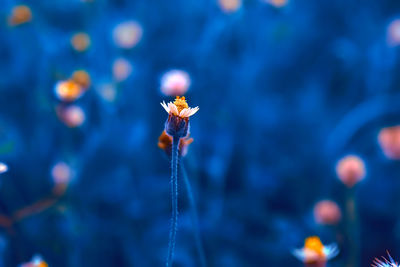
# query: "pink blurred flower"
{"type": "Point", "coordinates": [350, 170]}
{"type": "Point", "coordinates": [393, 33]}
{"type": "Point", "coordinates": [122, 68]}
{"type": "Point", "coordinates": [327, 212]}
{"type": "Point", "coordinates": [175, 82]}
{"type": "Point", "coordinates": [277, 3]}
{"type": "Point", "coordinates": [73, 116]}
{"type": "Point", "coordinates": [229, 6]}
{"type": "Point", "coordinates": [389, 140]}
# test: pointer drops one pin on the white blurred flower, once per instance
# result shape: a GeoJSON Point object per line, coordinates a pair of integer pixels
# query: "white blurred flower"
{"type": "Point", "coordinates": [127, 34]}
{"type": "Point", "coordinates": [175, 82]}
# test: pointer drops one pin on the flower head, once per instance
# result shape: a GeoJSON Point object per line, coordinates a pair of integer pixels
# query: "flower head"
{"type": "Point", "coordinates": [36, 261]}
{"type": "Point", "coordinates": [314, 252]}
{"type": "Point", "coordinates": [68, 90]}
{"type": "Point", "coordinates": [385, 263]}
{"type": "Point", "coordinates": [350, 170]}
{"type": "Point", "coordinates": [327, 212]}
{"type": "Point", "coordinates": [165, 143]}
{"type": "Point", "coordinates": [179, 112]}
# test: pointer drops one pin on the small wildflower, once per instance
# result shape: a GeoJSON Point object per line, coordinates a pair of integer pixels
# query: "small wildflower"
{"type": "Point", "coordinates": [179, 112]}
{"type": "Point", "coordinates": [68, 90]}
{"type": "Point", "coordinates": [80, 41]}
{"type": "Point", "coordinates": [314, 253]}
{"type": "Point", "coordinates": [165, 143]}
{"type": "Point", "coordinates": [20, 14]}
{"type": "Point", "coordinates": [350, 170]}
{"type": "Point", "coordinates": [175, 82]}
{"type": "Point", "coordinates": [36, 261]}
{"type": "Point", "coordinates": [327, 212]}
{"type": "Point", "coordinates": [385, 263]}
{"type": "Point", "coordinates": [3, 167]}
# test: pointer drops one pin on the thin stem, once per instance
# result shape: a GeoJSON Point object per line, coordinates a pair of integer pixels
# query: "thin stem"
{"type": "Point", "coordinates": [352, 228]}
{"type": "Point", "coordinates": [195, 220]}
{"type": "Point", "coordinates": [174, 195]}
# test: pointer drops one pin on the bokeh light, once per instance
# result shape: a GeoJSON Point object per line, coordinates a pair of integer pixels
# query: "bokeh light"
{"type": "Point", "coordinates": [122, 68]}
{"type": "Point", "coordinates": [20, 14]}
{"type": "Point", "coordinates": [127, 34]}
{"type": "Point", "coordinates": [229, 6]}
{"type": "Point", "coordinates": [327, 212]}
{"type": "Point", "coordinates": [80, 41]}
{"type": "Point", "coordinates": [389, 140]}
{"type": "Point", "coordinates": [175, 83]}
{"type": "Point", "coordinates": [3, 167]}
{"type": "Point", "coordinates": [277, 3]}
{"type": "Point", "coordinates": [72, 116]}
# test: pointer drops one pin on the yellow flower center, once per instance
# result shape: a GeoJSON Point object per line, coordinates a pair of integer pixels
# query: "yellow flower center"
{"type": "Point", "coordinates": [180, 103]}
{"type": "Point", "coordinates": [313, 243]}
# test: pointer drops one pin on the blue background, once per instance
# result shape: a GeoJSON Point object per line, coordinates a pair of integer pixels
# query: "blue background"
{"type": "Point", "coordinates": [284, 93]}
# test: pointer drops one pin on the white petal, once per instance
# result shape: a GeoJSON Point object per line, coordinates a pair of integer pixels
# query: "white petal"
{"type": "Point", "coordinates": [173, 109]}
{"type": "Point", "coordinates": [165, 106]}
{"type": "Point", "coordinates": [299, 254]}
{"type": "Point", "coordinates": [193, 111]}
{"type": "Point", "coordinates": [184, 113]}
{"type": "Point", "coordinates": [331, 251]}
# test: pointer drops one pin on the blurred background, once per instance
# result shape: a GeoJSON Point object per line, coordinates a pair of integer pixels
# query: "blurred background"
{"type": "Point", "coordinates": [299, 103]}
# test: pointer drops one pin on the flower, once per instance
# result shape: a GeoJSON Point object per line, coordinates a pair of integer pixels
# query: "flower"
{"type": "Point", "coordinates": [386, 263]}
{"type": "Point", "coordinates": [36, 261]}
{"type": "Point", "coordinates": [175, 82]}
{"type": "Point", "coordinates": [393, 33]}
{"type": "Point", "coordinates": [61, 174]}
{"type": "Point", "coordinates": [277, 3]}
{"type": "Point", "coordinates": [177, 124]}
{"type": "Point", "coordinates": [3, 167]}
{"type": "Point", "coordinates": [127, 34]}
{"type": "Point", "coordinates": [68, 90]}
{"type": "Point", "coordinates": [165, 143]}
{"type": "Point", "coordinates": [350, 170]}
{"type": "Point", "coordinates": [80, 41]}
{"type": "Point", "coordinates": [389, 140]}
{"type": "Point", "coordinates": [121, 69]}
{"type": "Point", "coordinates": [314, 253]}
{"type": "Point", "coordinates": [72, 116]}
{"type": "Point", "coordinates": [82, 78]}
{"type": "Point", "coordinates": [229, 6]}
{"type": "Point", "coordinates": [327, 212]}
{"type": "Point", "coordinates": [20, 14]}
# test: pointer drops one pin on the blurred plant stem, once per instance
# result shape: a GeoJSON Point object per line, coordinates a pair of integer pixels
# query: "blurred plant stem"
{"type": "Point", "coordinates": [194, 216]}
{"type": "Point", "coordinates": [174, 195]}
{"type": "Point", "coordinates": [352, 229]}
